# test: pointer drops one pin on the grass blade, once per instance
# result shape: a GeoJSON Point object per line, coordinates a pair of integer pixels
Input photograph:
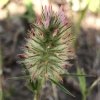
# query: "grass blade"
{"type": "Point", "coordinates": [0, 94]}
{"type": "Point", "coordinates": [30, 86]}
{"type": "Point", "coordinates": [19, 78]}
{"type": "Point", "coordinates": [25, 68]}
{"type": "Point", "coordinates": [93, 85]}
{"type": "Point", "coordinates": [82, 81]}
{"type": "Point", "coordinates": [61, 87]}
{"type": "Point", "coordinates": [74, 75]}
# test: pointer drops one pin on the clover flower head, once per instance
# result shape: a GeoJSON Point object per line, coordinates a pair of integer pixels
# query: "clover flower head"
{"type": "Point", "coordinates": [48, 47]}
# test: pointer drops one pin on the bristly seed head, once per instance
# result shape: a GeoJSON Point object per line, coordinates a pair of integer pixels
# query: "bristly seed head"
{"type": "Point", "coordinates": [48, 45]}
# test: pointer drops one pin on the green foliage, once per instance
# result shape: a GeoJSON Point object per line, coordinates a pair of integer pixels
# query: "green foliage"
{"type": "Point", "coordinates": [29, 7]}
{"type": "Point", "coordinates": [61, 87]}
{"type": "Point", "coordinates": [93, 85]}
{"type": "Point", "coordinates": [74, 75]}
{"type": "Point", "coordinates": [25, 69]}
{"type": "Point", "coordinates": [82, 14]}
{"type": "Point", "coordinates": [0, 94]}
{"type": "Point", "coordinates": [19, 78]}
{"type": "Point", "coordinates": [33, 86]}
{"type": "Point", "coordinates": [82, 82]}
{"type": "Point", "coordinates": [10, 92]}
{"type": "Point", "coordinates": [92, 5]}
{"type": "Point", "coordinates": [30, 16]}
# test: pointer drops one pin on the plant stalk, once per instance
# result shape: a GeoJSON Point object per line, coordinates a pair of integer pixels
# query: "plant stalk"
{"type": "Point", "coordinates": [84, 97]}
{"type": "Point", "coordinates": [38, 92]}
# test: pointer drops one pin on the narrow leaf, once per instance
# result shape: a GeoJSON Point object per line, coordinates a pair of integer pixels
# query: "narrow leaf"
{"type": "Point", "coordinates": [93, 85]}
{"type": "Point", "coordinates": [0, 94]}
{"type": "Point", "coordinates": [61, 87]}
{"type": "Point", "coordinates": [30, 87]}
{"type": "Point", "coordinates": [82, 81]}
{"type": "Point", "coordinates": [25, 68]}
{"type": "Point", "coordinates": [74, 75]}
{"type": "Point", "coordinates": [19, 78]}
{"type": "Point", "coordinates": [33, 86]}
{"type": "Point", "coordinates": [36, 84]}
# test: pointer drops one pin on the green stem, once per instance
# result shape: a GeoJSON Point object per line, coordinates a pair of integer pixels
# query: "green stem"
{"type": "Point", "coordinates": [34, 98]}
{"type": "Point", "coordinates": [38, 92]}
{"type": "Point", "coordinates": [84, 97]}
{"type": "Point", "coordinates": [37, 95]}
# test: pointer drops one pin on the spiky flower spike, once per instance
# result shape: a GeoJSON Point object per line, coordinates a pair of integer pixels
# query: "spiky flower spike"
{"type": "Point", "coordinates": [48, 47]}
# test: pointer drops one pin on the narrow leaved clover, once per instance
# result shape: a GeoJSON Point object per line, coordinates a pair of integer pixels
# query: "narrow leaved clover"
{"type": "Point", "coordinates": [48, 47]}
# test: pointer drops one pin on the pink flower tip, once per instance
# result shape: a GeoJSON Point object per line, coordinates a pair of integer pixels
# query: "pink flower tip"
{"type": "Point", "coordinates": [32, 31]}
{"type": "Point", "coordinates": [68, 65]}
{"type": "Point", "coordinates": [64, 37]}
{"type": "Point", "coordinates": [26, 46]}
{"type": "Point", "coordinates": [40, 33]}
{"type": "Point", "coordinates": [56, 31]}
{"type": "Point", "coordinates": [66, 21]}
{"type": "Point", "coordinates": [39, 21]}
